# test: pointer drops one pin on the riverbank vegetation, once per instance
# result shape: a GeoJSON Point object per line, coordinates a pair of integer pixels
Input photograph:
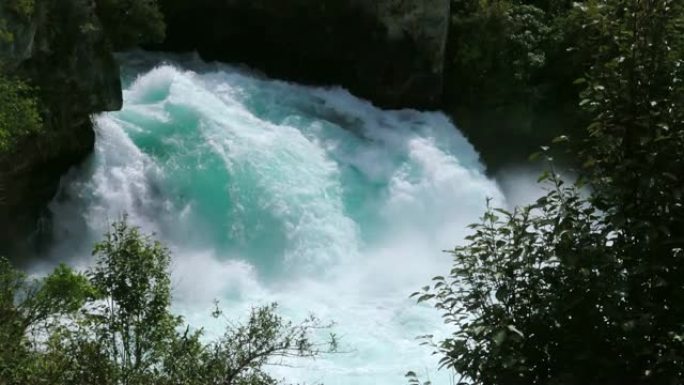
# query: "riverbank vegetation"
{"type": "Point", "coordinates": [585, 286]}
{"type": "Point", "coordinates": [509, 74]}
{"type": "Point", "coordinates": [113, 325]}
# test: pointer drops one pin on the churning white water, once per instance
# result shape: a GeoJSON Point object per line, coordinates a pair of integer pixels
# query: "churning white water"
{"type": "Point", "coordinates": [269, 191]}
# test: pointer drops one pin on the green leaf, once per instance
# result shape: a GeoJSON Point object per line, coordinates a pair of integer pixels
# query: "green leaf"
{"type": "Point", "coordinates": [425, 297]}
{"type": "Point", "coordinates": [544, 176]}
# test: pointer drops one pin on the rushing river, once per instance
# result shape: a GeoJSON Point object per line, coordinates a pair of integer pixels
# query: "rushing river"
{"type": "Point", "coordinates": [270, 191]}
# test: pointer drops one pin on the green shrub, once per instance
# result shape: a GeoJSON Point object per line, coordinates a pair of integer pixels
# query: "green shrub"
{"type": "Point", "coordinates": [113, 326]}
{"type": "Point", "coordinates": [586, 289]}
{"type": "Point", "coordinates": [19, 112]}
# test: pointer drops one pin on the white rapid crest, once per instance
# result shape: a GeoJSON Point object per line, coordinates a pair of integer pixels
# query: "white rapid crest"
{"type": "Point", "coordinates": [269, 191]}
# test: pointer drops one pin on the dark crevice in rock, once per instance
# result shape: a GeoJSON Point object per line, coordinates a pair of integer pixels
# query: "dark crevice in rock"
{"type": "Point", "coordinates": [389, 52]}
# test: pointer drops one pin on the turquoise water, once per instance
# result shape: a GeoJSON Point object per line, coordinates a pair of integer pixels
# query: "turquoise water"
{"type": "Point", "coordinates": [270, 191]}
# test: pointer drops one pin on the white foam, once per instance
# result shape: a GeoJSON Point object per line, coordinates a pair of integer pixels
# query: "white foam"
{"type": "Point", "coordinates": [268, 191]}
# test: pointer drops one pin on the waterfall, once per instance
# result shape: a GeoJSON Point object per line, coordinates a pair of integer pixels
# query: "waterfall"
{"type": "Point", "coordinates": [270, 191]}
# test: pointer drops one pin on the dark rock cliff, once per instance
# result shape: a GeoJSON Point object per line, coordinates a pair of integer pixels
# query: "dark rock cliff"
{"type": "Point", "coordinates": [62, 51]}
{"type": "Point", "coordinates": [388, 51]}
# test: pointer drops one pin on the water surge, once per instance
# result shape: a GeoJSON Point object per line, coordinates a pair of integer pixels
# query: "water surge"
{"type": "Point", "coordinates": [270, 191]}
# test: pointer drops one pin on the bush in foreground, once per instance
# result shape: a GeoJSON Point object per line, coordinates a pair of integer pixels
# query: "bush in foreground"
{"type": "Point", "coordinates": [113, 325]}
{"type": "Point", "coordinates": [587, 289]}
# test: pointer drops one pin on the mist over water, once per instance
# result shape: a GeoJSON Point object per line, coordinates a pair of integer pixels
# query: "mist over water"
{"type": "Point", "coordinates": [269, 191]}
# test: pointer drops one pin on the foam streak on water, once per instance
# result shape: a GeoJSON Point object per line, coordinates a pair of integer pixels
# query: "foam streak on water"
{"type": "Point", "coordinates": [269, 191]}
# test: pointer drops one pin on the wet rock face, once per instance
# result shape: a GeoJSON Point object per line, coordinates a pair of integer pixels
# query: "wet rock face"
{"type": "Point", "coordinates": [389, 51]}
{"type": "Point", "coordinates": [61, 49]}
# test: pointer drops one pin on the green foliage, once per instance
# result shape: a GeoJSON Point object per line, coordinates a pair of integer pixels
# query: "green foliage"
{"type": "Point", "coordinates": [113, 326]}
{"type": "Point", "coordinates": [11, 321]}
{"type": "Point", "coordinates": [241, 355]}
{"type": "Point", "coordinates": [19, 112]}
{"type": "Point", "coordinates": [530, 299]}
{"type": "Point", "coordinates": [413, 379]}
{"type": "Point", "coordinates": [27, 308]}
{"type": "Point", "coordinates": [634, 90]}
{"type": "Point", "coordinates": [128, 23]}
{"type": "Point", "coordinates": [498, 46]}
{"type": "Point", "coordinates": [131, 275]}
{"type": "Point", "coordinates": [585, 288]}
{"type": "Point", "coordinates": [21, 8]}
{"type": "Point", "coordinates": [6, 36]}
{"type": "Point", "coordinates": [507, 73]}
